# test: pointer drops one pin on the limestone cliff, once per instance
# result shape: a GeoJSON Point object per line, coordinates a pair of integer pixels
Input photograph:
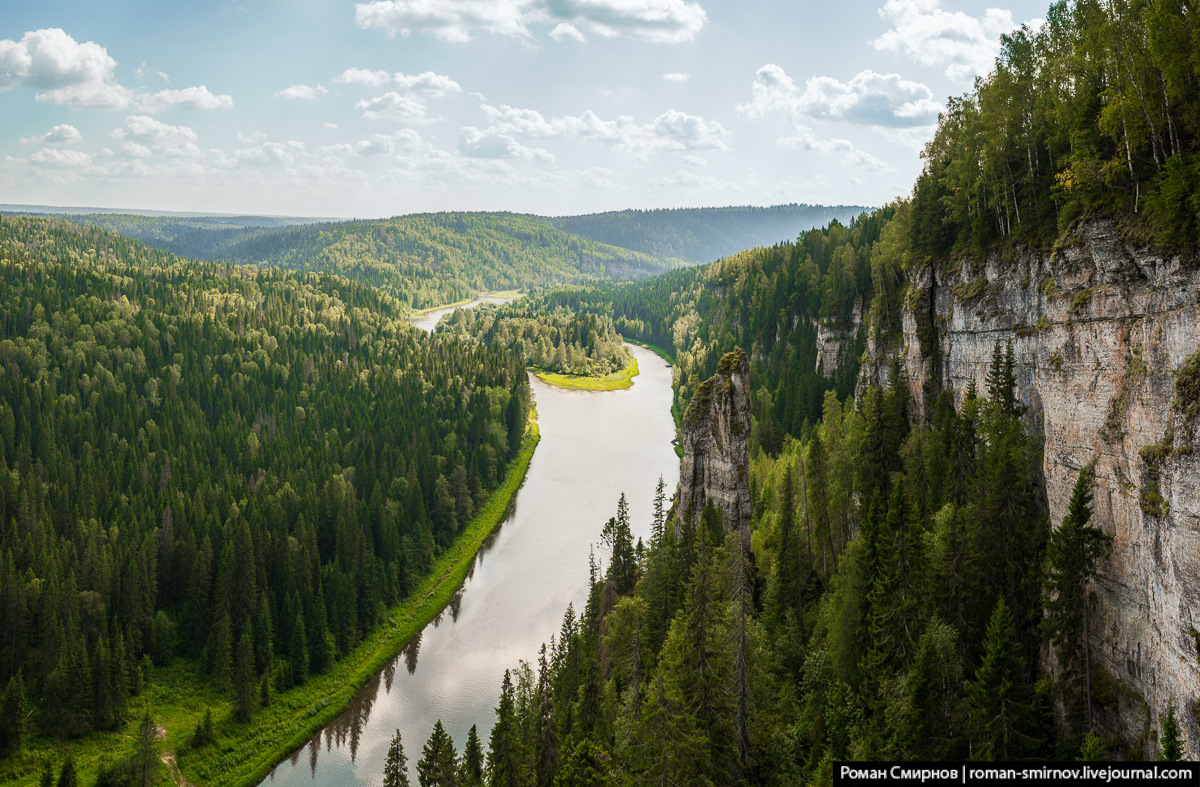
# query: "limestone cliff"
{"type": "Point", "coordinates": [716, 444]}
{"type": "Point", "coordinates": [1101, 330]}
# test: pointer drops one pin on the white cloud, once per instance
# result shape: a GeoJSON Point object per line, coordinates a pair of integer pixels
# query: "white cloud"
{"type": "Point", "coordinates": [63, 134]}
{"type": "Point", "coordinates": [565, 31]}
{"type": "Point", "coordinates": [660, 21]}
{"type": "Point", "coordinates": [331, 126]}
{"type": "Point", "coordinates": [61, 159]}
{"type": "Point", "coordinates": [868, 98]}
{"type": "Point", "coordinates": [67, 73]}
{"type": "Point", "coordinates": [363, 76]}
{"type": "Point", "coordinates": [965, 45]}
{"type": "Point", "coordinates": [672, 130]}
{"type": "Point", "coordinates": [490, 144]}
{"type": "Point", "coordinates": [393, 106]}
{"type": "Point", "coordinates": [677, 76]}
{"type": "Point", "coordinates": [403, 141]}
{"type": "Point", "coordinates": [449, 20]}
{"type": "Point", "coordinates": [187, 98]}
{"type": "Point", "coordinates": [302, 92]}
{"type": "Point", "coordinates": [427, 83]}
{"type": "Point", "coordinates": [806, 139]}
{"type": "Point", "coordinates": [695, 161]}
{"type": "Point", "coordinates": [144, 135]}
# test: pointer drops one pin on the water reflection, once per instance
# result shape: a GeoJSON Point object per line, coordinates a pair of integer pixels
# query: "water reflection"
{"type": "Point", "coordinates": [410, 658]}
{"type": "Point", "coordinates": [594, 447]}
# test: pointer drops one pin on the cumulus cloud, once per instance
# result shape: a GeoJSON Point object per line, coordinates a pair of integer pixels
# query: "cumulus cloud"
{"type": "Point", "coordinates": [66, 72]}
{"type": "Point", "coordinates": [965, 45]}
{"type": "Point", "coordinates": [490, 144]}
{"type": "Point", "coordinates": [868, 98]}
{"type": "Point", "coordinates": [806, 139]}
{"type": "Point", "coordinates": [427, 83]}
{"type": "Point", "coordinates": [393, 106]}
{"type": "Point", "coordinates": [144, 136]}
{"type": "Point", "coordinates": [677, 76]}
{"type": "Point", "coordinates": [63, 134]}
{"type": "Point", "coordinates": [302, 92]}
{"type": "Point", "coordinates": [363, 76]}
{"type": "Point", "coordinates": [660, 21]}
{"type": "Point", "coordinates": [187, 98]}
{"type": "Point", "coordinates": [672, 130]}
{"type": "Point", "coordinates": [403, 141]}
{"type": "Point", "coordinates": [61, 159]}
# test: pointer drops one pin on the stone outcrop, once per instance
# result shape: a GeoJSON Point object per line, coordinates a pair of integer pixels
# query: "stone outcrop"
{"type": "Point", "coordinates": [716, 445]}
{"type": "Point", "coordinates": [1100, 330]}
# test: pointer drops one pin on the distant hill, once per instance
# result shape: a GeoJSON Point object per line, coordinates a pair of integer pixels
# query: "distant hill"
{"type": "Point", "coordinates": [435, 258]}
{"type": "Point", "coordinates": [699, 235]}
{"type": "Point", "coordinates": [423, 260]}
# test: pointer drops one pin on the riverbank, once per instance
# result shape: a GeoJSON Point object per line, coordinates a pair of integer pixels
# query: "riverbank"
{"type": "Point", "coordinates": [582, 382]}
{"type": "Point", "coordinates": [510, 294]}
{"type": "Point", "coordinates": [654, 348]}
{"type": "Point", "coordinates": [178, 696]}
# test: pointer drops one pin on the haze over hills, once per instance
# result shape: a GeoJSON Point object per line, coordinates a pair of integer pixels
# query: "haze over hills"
{"type": "Point", "coordinates": [430, 259]}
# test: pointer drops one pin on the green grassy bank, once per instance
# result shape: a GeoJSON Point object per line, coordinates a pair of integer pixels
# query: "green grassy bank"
{"type": "Point", "coordinates": [584, 382]}
{"type": "Point", "coordinates": [245, 752]}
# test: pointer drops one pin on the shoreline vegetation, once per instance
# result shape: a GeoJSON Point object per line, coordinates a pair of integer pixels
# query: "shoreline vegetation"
{"type": "Point", "coordinates": [245, 753]}
{"type": "Point", "coordinates": [616, 381]}
{"type": "Point", "coordinates": [514, 294]}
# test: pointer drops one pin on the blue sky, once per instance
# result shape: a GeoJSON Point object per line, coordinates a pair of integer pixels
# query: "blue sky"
{"type": "Point", "coordinates": [338, 108]}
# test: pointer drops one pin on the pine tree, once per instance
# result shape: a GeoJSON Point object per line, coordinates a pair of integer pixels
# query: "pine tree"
{"type": "Point", "coordinates": [395, 768]}
{"type": "Point", "coordinates": [504, 746]}
{"type": "Point", "coordinates": [472, 760]}
{"type": "Point", "coordinates": [1170, 747]}
{"type": "Point", "coordinates": [1074, 551]}
{"type": "Point", "coordinates": [12, 714]}
{"type": "Point", "coordinates": [243, 685]}
{"type": "Point", "coordinates": [145, 753]}
{"type": "Point", "coordinates": [298, 652]}
{"type": "Point", "coordinates": [47, 779]}
{"type": "Point", "coordinates": [1000, 702]}
{"type": "Point", "coordinates": [438, 766]}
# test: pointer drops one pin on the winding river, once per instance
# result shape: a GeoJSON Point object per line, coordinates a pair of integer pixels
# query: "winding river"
{"type": "Point", "coordinates": [594, 446]}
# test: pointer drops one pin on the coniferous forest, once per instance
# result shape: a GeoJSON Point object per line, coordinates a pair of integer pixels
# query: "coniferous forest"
{"type": "Point", "coordinates": [235, 472]}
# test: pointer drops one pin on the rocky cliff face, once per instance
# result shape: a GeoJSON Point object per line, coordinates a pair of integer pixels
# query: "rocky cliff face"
{"type": "Point", "coordinates": [1100, 331]}
{"type": "Point", "coordinates": [716, 444]}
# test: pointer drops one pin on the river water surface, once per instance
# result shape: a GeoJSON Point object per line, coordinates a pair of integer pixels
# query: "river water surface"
{"type": "Point", "coordinates": [594, 446]}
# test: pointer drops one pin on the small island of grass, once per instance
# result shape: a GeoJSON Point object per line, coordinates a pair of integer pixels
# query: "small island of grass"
{"type": "Point", "coordinates": [586, 382]}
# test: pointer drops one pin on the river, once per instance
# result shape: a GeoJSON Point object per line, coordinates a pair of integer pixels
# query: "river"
{"type": "Point", "coordinates": [594, 446]}
{"type": "Point", "coordinates": [429, 320]}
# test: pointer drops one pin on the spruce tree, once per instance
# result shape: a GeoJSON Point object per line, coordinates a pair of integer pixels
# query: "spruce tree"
{"type": "Point", "coordinates": [1074, 552]}
{"type": "Point", "coordinates": [1000, 702]}
{"type": "Point", "coordinates": [1170, 747]}
{"type": "Point", "coordinates": [504, 746]}
{"type": "Point", "coordinates": [145, 753]}
{"type": "Point", "coordinates": [438, 766]}
{"type": "Point", "coordinates": [472, 759]}
{"type": "Point", "coordinates": [243, 685]}
{"type": "Point", "coordinates": [395, 768]}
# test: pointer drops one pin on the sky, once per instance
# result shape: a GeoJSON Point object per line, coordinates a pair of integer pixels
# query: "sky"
{"type": "Point", "coordinates": [337, 108]}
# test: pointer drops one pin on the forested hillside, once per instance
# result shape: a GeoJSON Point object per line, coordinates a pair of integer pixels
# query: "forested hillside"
{"type": "Point", "coordinates": [699, 235]}
{"type": "Point", "coordinates": [770, 301]}
{"type": "Point", "coordinates": [422, 260]}
{"type": "Point", "coordinates": [902, 586]}
{"type": "Point", "coordinates": [241, 468]}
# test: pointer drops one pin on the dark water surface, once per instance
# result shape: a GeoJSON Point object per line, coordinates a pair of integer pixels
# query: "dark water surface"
{"type": "Point", "coordinates": [594, 446]}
